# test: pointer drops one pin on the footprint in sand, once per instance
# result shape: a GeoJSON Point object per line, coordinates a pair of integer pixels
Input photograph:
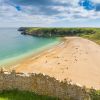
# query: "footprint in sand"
{"type": "Point", "coordinates": [46, 61]}
{"type": "Point", "coordinates": [58, 63]}
{"type": "Point", "coordinates": [75, 59]}
{"type": "Point", "coordinates": [67, 68]}
{"type": "Point", "coordinates": [66, 60]}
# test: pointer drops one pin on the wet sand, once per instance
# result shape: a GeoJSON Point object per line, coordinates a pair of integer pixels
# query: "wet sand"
{"type": "Point", "coordinates": [75, 59]}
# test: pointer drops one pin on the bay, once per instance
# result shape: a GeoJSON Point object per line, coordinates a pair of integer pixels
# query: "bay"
{"type": "Point", "coordinates": [14, 46]}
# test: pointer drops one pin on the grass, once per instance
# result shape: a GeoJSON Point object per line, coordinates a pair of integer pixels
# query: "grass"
{"type": "Point", "coordinates": [89, 33]}
{"type": "Point", "coordinates": [95, 95]}
{"type": "Point", "coordinates": [94, 37]}
{"type": "Point", "coordinates": [23, 95]}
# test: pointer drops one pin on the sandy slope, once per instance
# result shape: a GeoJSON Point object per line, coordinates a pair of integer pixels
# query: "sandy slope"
{"type": "Point", "coordinates": [76, 58]}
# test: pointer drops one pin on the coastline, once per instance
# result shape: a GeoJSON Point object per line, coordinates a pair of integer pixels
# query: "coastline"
{"type": "Point", "coordinates": [11, 63]}
{"type": "Point", "coordinates": [68, 60]}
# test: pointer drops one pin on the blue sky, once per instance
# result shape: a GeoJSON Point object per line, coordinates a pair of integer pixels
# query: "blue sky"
{"type": "Point", "coordinates": [45, 13]}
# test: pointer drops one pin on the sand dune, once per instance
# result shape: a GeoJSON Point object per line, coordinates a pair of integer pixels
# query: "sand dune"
{"type": "Point", "coordinates": [76, 59]}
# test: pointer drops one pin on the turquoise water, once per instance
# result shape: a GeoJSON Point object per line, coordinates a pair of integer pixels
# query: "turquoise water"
{"type": "Point", "coordinates": [14, 46]}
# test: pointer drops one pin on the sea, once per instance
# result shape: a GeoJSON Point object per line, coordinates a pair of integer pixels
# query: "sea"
{"type": "Point", "coordinates": [14, 46]}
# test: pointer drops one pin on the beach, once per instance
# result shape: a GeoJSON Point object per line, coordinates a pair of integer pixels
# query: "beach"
{"type": "Point", "coordinates": [75, 59]}
{"type": "Point", "coordinates": [15, 47]}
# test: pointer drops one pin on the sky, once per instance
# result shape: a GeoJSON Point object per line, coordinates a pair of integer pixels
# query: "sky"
{"type": "Point", "coordinates": [50, 13]}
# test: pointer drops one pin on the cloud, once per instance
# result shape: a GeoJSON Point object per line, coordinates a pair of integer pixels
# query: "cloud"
{"type": "Point", "coordinates": [42, 6]}
{"type": "Point", "coordinates": [47, 11]}
{"type": "Point", "coordinates": [96, 1]}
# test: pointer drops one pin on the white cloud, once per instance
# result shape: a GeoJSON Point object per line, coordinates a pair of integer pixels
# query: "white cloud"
{"type": "Point", "coordinates": [96, 1]}
{"type": "Point", "coordinates": [9, 14]}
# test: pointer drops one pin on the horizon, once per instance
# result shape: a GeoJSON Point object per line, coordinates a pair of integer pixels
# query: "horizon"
{"type": "Point", "coordinates": [49, 27]}
{"type": "Point", "coordinates": [52, 13]}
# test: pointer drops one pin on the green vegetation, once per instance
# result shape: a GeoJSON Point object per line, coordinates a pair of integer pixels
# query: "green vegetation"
{"type": "Point", "coordinates": [89, 33]}
{"type": "Point", "coordinates": [94, 37]}
{"type": "Point", "coordinates": [48, 32]}
{"type": "Point", "coordinates": [22, 95]}
{"type": "Point", "coordinates": [95, 95]}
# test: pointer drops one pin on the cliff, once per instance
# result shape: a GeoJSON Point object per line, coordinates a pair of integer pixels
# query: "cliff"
{"type": "Point", "coordinates": [49, 32]}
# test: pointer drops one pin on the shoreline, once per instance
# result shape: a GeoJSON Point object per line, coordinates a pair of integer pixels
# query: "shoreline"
{"type": "Point", "coordinates": [39, 51]}
{"type": "Point", "coordinates": [68, 60]}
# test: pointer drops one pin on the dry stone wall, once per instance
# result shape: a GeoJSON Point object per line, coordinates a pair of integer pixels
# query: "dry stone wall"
{"type": "Point", "coordinates": [41, 84]}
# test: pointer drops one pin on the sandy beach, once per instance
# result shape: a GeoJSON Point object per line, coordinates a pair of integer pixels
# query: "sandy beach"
{"type": "Point", "coordinates": [75, 59]}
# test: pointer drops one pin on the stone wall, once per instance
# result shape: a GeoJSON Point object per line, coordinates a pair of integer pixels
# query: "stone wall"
{"type": "Point", "coordinates": [41, 84]}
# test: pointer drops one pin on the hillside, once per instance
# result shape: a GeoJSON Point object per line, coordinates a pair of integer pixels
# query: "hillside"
{"type": "Point", "coordinates": [48, 32]}
{"type": "Point", "coordinates": [90, 33]}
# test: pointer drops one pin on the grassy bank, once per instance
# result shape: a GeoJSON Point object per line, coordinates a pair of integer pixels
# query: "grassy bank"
{"type": "Point", "coordinates": [56, 32]}
{"type": "Point", "coordinates": [22, 95]}
{"type": "Point", "coordinates": [89, 33]}
{"type": "Point", "coordinates": [94, 37]}
{"type": "Point", "coordinates": [95, 95]}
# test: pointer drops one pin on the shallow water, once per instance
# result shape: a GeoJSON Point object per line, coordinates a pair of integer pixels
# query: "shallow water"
{"type": "Point", "coordinates": [13, 45]}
